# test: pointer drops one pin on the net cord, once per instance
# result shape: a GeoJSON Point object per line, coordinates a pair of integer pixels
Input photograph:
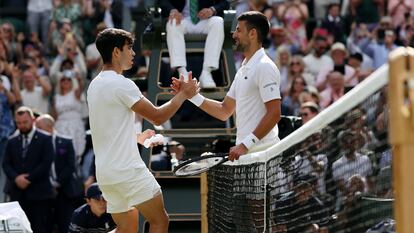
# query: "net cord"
{"type": "Point", "coordinates": [369, 86]}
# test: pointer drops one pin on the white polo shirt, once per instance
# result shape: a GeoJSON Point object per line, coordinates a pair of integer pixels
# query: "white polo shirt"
{"type": "Point", "coordinates": [110, 98]}
{"type": "Point", "coordinates": [256, 82]}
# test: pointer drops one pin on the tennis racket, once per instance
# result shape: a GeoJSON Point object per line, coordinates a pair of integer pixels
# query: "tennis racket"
{"type": "Point", "coordinates": [197, 165]}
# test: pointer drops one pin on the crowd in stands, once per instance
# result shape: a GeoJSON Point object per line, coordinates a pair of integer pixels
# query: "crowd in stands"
{"type": "Point", "coordinates": [322, 49]}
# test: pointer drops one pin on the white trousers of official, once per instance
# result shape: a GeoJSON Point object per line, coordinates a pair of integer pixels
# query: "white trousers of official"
{"type": "Point", "coordinates": [213, 27]}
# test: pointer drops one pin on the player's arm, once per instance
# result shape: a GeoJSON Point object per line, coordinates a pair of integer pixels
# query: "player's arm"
{"type": "Point", "coordinates": [267, 123]}
{"type": "Point", "coordinates": [220, 110]}
{"type": "Point", "coordinates": [269, 120]}
{"type": "Point", "coordinates": [159, 114]}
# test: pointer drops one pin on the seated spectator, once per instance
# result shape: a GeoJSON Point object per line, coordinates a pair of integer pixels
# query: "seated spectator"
{"type": "Point", "coordinates": [278, 37]}
{"type": "Point", "coordinates": [350, 163]}
{"type": "Point", "coordinates": [308, 110]}
{"type": "Point", "coordinates": [291, 100]}
{"type": "Point", "coordinates": [338, 55]}
{"type": "Point", "coordinates": [36, 90]}
{"type": "Point", "coordinates": [61, 31]}
{"type": "Point", "coordinates": [203, 17]}
{"type": "Point", "coordinates": [68, 11]}
{"type": "Point", "coordinates": [334, 23]}
{"type": "Point", "coordinates": [334, 90]}
{"type": "Point", "coordinates": [311, 160]}
{"type": "Point", "coordinates": [304, 207]}
{"type": "Point", "coordinates": [294, 14]}
{"type": "Point", "coordinates": [109, 12]}
{"type": "Point", "coordinates": [317, 58]}
{"type": "Point", "coordinates": [398, 10]}
{"type": "Point", "coordinates": [282, 62]}
{"type": "Point", "coordinates": [92, 216]}
{"type": "Point", "coordinates": [355, 61]}
{"type": "Point", "coordinates": [310, 94]}
{"type": "Point", "coordinates": [358, 33]}
{"type": "Point", "coordinates": [11, 41]}
{"type": "Point", "coordinates": [366, 11]}
{"type": "Point", "coordinates": [7, 99]}
{"type": "Point", "coordinates": [261, 6]}
{"type": "Point", "coordinates": [379, 46]}
{"type": "Point", "coordinates": [67, 110]}
{"type": "Point", "coordinates": [297, 68]}
{"type": "Point", "coordinates": [93, 57]}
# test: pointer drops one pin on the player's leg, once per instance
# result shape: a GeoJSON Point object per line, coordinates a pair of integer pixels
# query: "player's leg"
{"type": "Point", "coordinates": [154, 212]}
{"type": "Point", "coordinates": [126, 222]}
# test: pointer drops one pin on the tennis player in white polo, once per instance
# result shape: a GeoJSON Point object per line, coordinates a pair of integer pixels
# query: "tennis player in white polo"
{"type": "Point", "coordinates": [255, 91]}
{"type": "Point", "coordinates": [126, 183]}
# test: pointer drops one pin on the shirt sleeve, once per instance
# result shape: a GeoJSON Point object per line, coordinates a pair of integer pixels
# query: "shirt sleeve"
{"type": "Point", "coordinates": [232, 92]}
{"type": "Point", "coordinates": [128, 93]}
{"type": "Point", "coordinates": [268, 82]}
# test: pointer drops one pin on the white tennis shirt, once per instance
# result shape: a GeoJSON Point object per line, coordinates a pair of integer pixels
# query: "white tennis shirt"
{"type": "Point", "coordinates": [256, 82]}
{"type": "Point", "coordinates": [110, 98]}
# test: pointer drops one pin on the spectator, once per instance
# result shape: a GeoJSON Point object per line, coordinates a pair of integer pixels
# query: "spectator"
{"type": "Point", "coordinates": [261, 6]}
{"type": "Point", "coordinates": [358, 33]}
{"type": "Point", "coordinates": [109, 12]}
{"type": "Point", "coordinates": [350, 163]}
{"type": "Point", "coordinates": [62, 33]}
{"type": "Point", "coordinates": [317, 58]}
{"type": "Point", "coordinates": [291, 100]}
{"type": "Point", "coordinates": [399, 10]}
{"type": "Point", "coordinates": [334, 23]}
{"type": "Point", "coordinates": [36, 90]}
{"type": "Point", "coordinates": [355, 61]}
{"type": "Point", "coordinates": [63, 174]}
{"type": "Point", "coordinates": [12, 42]}
{"type": "Point", "coordinates": [279, 38]}
{"type": "Point", "coordinates": [379, 48]}
{"type": "Point", "coordinates": [92, 216]}
{"type": "Point", "coordinates": [310, 161]}
{"type": "Point", "coordinates": [293, 14]}
{"type": "Point", "coordinates": [67, 109]}
{"type": "Point", "coordinates": [7, 99]}
{"type": "Point", "coordinates": [282, 62]}
{"type": "Point", "coordinates": [334, 90]}
{"type": "Point", "coordinates": [366, 11]}
{"type": "Point", "coordinates": [338, 55]}
{"type": "Point", "coordinates": [38, 17]}
{"type": "Point", "coordinates": [66, 11]}
{"type": "Point", "coordinates": [202, 17]}
{"type": "Point", "coordinates": [308, 110]}
{"type": "Point", "coordinates": [93, 58]}
{"type": "Point", "coordinates": [297, 68]}
{"type": "Point", "coordinates": [27, 163]}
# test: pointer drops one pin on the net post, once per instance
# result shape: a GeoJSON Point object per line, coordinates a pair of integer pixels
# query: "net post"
{"type": "Point", "coordinates": [401, 100]}
{"type": "Point", "coordinates": [204, 197]}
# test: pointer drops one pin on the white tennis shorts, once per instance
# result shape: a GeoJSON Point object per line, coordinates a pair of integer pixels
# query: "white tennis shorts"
{"type": "Point", "coordinates": [122, 197]}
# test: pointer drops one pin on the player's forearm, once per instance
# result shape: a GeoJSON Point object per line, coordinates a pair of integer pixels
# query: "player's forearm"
{"type": "Point", "coordinates": [266, 124]}
{"type": "Point", "coordinates": [167, 110]}
{"type": "Point", "coordinates": [216, 109]}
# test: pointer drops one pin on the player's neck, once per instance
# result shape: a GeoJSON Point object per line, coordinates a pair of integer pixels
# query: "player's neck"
{"type": "Point", "coordinates": [113, 67]}
{"type": "Point", "coordinates": [251, 51]}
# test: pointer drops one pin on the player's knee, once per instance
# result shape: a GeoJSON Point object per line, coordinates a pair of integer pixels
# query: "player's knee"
{"type": "Point", "coordinates": [162, 220]}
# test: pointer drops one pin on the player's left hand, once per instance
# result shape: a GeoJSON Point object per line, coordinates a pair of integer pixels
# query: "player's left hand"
{"type": "Point", "coordinates": [237, 151]}
{"type": "Point", "coordinates": [145, 135]}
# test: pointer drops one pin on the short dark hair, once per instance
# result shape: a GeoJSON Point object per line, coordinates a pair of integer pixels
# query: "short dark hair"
{"type": "Point", "coordinates": [112, 38]}
{"type": "Point", "coordinates": [258, 21]}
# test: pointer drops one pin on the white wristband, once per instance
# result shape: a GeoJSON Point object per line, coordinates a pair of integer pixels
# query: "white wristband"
{"type": "Point", "coordinates": [250, 140]}
{"type": "Point", "coordinates": [197, 99]}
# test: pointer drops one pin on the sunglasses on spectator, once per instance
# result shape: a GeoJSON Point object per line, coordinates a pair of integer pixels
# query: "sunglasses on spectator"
{"type": "Point", "coordinates": [303, 114]}
{"type": "Point", "coordinates": [294, 63]}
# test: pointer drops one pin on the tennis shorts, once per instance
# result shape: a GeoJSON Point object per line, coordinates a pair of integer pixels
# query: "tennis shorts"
{"type": "Point", "coordinates": [123, 196]}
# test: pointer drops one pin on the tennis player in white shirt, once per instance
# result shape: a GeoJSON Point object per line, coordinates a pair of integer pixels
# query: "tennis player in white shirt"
{"type": "Point", "coordinates": [126, 183]}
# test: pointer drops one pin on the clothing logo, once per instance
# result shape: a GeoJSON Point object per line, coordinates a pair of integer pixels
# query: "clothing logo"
{"type": "Point", "coordinates": [245, 77]}
{"type": "Point", "coordinates": [254, 141]}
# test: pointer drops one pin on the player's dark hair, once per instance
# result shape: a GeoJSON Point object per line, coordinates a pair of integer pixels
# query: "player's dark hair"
{"type": "Point", "coordinates": [258, 21]}
{"type": "Point", "coordinates": [112, 38]}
